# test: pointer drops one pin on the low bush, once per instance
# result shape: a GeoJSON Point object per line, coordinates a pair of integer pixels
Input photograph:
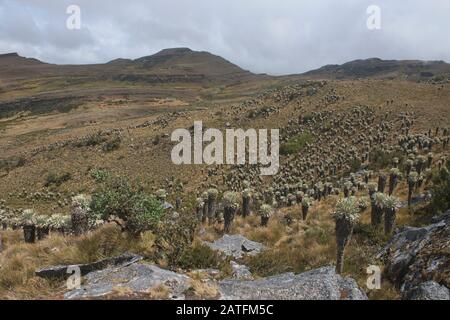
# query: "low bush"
{"type": "Point", "coordinates": [99, 175]}
{"type": "Point", "coordinates": [440, 190]}
{"type": "Point", "coordinates": [136, 210]}
{"type": "Point", "coordinates": [112, 144]}
{"type": "Point", "coordinates": [380, 159]}
{"type": "Point", "coordinates": [57, 179]}
{"type": "Point", "coordinates": [200, 256]}
{"type": "Point", "coordinates": [296, 144]}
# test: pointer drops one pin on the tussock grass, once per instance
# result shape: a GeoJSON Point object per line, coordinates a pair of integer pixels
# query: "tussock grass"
{"type": "Point", "coordinates": [19, 260]}
{"type": "Point", "coordinates": [202, 289]}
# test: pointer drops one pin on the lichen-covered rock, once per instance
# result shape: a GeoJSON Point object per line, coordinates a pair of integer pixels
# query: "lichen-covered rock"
{"type": "Point", "coordinates": [417, 255]}
{"type": "Point", "coordinates": [236, 246]}
{"type": "Point", "coordinates": [135, 278]}
{"type": "Point", "coordinates": [240, 271]}
{"type": "Point", "coordinates": [429, 290]}
{"type": "Point", "coordinates": [318, 284]}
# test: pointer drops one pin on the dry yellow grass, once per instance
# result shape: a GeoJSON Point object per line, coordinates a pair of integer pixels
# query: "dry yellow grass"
{"type": "Point", "coordinates": [202, 289]}
{"type": "Point", "coordinates": [160, 292]}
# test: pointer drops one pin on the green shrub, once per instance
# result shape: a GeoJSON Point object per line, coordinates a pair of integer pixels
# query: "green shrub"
{"type": "Point", "coordinates": [441, 189]}
{"type": "Point", "coordinates": [12, 163]}
{"type": "Point", "coordinates": [175, 237]}
{"type": "Point", "coordinates": [57, 179]}
{"type": "Point", "coordinates": [199, 256]}
{"type": "Point", "coordinates": [296, 144]}
{"type": "Point", "coordinates": [318, 234]}
{"type": "Point", "coordinates": [380, 159]}
{"type": "Point", "coordinates": [99, 175]}
{"type": "Point", "coordinates": [112, 144]}
{"type": "Point", "coordinates": [307, 118]}
{"type": "Point", "coordinates": [137, 210]}
{"type": "Point", "coordinates": [355, 165]}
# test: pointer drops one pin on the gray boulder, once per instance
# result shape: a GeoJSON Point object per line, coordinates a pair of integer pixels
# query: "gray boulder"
{"type": "Point", "coordinates": [318, 284]}
{"type": "Point", "coordinates": [137, 278]}
{"type": "Point", "coordinates": [236, 246]}
{"type": "Point", "coordinates": [429, 290]}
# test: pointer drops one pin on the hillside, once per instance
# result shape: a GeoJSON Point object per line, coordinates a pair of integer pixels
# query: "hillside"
{"type": "Point", "coordinates": [168, 64]}
{"type": "Point", "coordinates": [383, 69]}
{"type": "Point", "coordinates": [30, 86]}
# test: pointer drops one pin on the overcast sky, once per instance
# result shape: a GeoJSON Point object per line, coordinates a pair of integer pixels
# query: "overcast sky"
{"type": "Point", "coordinates": [263, 36]}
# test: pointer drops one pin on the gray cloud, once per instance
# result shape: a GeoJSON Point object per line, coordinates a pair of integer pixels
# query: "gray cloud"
{"type": "Point", "coordinates": [271, 36]}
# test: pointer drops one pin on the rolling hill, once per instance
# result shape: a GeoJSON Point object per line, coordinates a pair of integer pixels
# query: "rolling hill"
{"type": "Point", "coordinates": [383, 69]}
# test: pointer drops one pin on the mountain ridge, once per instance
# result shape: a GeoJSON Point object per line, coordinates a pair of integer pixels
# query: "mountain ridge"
{"type": "Point", "coordinates": [379, 68]}
{"type": "Point", "coordinates": [181, 61]}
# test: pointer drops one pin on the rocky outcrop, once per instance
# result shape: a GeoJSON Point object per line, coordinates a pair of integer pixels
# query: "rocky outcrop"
{"type": "Point", "coordinates": [318, 284]}
{"type": "Point", "coordinates": [61, 270]}
{"type": "Point", "coordinates": [133, 279]}
{"type": "Point", "coordinates": [429, 290]}
{"type": "Point", "coordinates": [416, 255]}
{"type": "Point", "coordinates": [236, 246]}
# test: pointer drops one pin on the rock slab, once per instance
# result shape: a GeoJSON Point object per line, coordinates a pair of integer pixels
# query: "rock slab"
{"type": "Point", "coordinates": [236, 246]}
{"type": "Point", "coordinates": [136, 278]}
{"type": "Point", "coordinates": [60, 271]}
{"type": "Point", "coordinates": [318, 284]}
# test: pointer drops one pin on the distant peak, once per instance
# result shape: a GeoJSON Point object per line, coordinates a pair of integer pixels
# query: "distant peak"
{"type": "Point", "coordinates": [9, 55]}
{"type": "Point", "coordinates": [175, 51]}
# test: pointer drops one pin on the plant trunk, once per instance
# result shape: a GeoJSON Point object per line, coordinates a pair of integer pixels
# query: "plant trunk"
{"type": "Point", "coordinates": [200, 213]}
{"type": "Point", "coordinates": [211, 209]}
{"type": "Point", "coordinates": [80, 222]}
{"type": "Point", "coordinates": [178, 204]}
{"type": "Point", "coordinates": [4, 226]}
{"type": "Point", "coordinates": [264, 221]}
{"type": "Point", "coordinates": [344, 230]}
{"type": "Point", "coordinates": [304, 212]}
{"type": "Point", "coordinates": [42, 233]}
{"type": "Point", "coordinates": [346, 192]}
{"type": "Point", "coordinates": [376, 216]}
{"type": "Point", "coordinates": [392, 184]}
{"type": "Point", "coordinates": [381, 183]}
{"type": "Point", "coordinates": [205, 213]}
{"type": "Point", "coordinates": [410, 191]}
{"type": "Point", "coordinates": [228, 216]}
{"type": "Point", "coordinates": [389, 221]}
{"type": "Point", "coordinates": [245, 206]}
{"type": "Point", "coordinates": [29, 234]}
